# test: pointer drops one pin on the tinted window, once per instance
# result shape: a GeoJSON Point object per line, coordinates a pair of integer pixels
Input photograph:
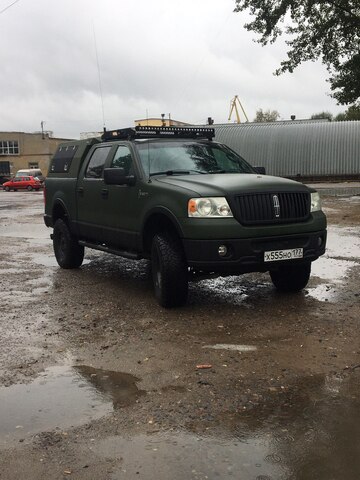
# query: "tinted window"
{"type": "Point", "coordinates": [62, 159]}
{"type": "Point", "coordinates": [122, 159]}
{"type": "Point", "coordinates": [194, 157]}
{"type": "Point", "coordinates": [97, 161]}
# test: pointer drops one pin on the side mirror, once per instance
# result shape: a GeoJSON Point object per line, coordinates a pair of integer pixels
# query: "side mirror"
{"type": "Point", "coordinates": [260, 170]}
{"type": "Point", "coordinates": [116, 176]}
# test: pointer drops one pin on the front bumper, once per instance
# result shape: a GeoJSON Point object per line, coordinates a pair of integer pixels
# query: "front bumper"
{"type": "Point", "coordinates": [247, 255]}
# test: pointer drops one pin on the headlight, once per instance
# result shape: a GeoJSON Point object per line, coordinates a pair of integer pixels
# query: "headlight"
{"type": "Point", "coordinates": [212, 207]}
{"type": "Point", "coordinates": [315, 202]}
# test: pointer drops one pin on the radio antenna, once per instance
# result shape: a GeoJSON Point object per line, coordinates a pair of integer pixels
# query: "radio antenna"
{"type": "Point", "coordinates": [99, 78]}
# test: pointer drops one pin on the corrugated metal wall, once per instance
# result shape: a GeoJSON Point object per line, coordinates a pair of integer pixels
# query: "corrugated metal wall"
{"type": "Point", "coordinates": [290, 149]}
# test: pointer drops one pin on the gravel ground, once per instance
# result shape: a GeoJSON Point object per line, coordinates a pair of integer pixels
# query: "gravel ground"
{"type": "Point", "coordinates": [99, 382]}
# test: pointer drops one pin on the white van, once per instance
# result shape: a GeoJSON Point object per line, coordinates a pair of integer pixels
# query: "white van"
{"type": "Point", "coordinates": [33, 172]}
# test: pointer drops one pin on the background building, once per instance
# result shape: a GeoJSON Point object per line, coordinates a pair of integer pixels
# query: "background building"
{"type": "Point", "coordinates": [160, 122]}
{"type": "Point", "coordinates": [28, 150]}
{"type": "Point", "coordinates": [306, 149]}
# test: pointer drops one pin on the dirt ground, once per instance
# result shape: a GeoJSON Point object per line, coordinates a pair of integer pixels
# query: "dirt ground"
{"type": "Point", "coordinates": [99, 382]}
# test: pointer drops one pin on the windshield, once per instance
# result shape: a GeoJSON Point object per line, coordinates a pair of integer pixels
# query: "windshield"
{"type": "Point", "coordinates": [190, 158]}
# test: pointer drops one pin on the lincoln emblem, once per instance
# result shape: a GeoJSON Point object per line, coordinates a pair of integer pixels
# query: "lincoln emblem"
{"type": "Point", "coordinates": [276, 204]}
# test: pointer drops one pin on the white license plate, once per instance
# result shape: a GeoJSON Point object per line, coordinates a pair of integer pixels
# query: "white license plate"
{"type": "Point", "coordinates": [277, 255]}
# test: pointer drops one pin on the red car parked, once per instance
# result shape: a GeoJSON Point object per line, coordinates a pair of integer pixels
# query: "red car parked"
{"type": "Point", "coordinates": [16, 183]}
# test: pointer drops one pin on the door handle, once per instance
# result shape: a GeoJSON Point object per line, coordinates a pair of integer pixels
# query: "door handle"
{"type": "Point", "coordinates": [104, 193]}
{"type": "Point", "coordinates": [80, 191]}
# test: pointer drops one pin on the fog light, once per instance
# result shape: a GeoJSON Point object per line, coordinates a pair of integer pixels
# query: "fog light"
{"type": "Point", "coordinates": [222, 250]}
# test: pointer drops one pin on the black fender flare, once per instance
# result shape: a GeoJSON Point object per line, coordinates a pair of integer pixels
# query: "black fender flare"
{"type": "Point", "coordinates": [61, 203]}
{"type": "Point", "coordinates": [160, 210]}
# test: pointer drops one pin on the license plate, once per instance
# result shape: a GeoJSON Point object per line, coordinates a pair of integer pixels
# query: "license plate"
{"type": "Point", "coordinates": [277, 255]}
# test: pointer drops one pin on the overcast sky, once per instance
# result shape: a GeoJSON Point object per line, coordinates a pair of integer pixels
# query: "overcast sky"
{"type": "Point", "coordinates": [185, 57]}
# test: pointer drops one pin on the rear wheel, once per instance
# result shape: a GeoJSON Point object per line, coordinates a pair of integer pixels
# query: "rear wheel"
{"type": "Point", "coordinates": [68, 253]}
{"type": "Point", "coordinates": [29, 187]}
{"type": "Point", "coordinates": [169, 270]}
{"type": "Point", "coordinates": [291, 278]}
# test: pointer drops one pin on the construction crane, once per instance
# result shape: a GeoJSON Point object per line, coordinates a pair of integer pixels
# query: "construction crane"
{"type": "Point", "coordinates": [234, 106]}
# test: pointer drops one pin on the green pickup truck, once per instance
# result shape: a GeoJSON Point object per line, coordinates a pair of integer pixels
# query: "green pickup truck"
{"type": "Point", "coordinates": [189, 204]}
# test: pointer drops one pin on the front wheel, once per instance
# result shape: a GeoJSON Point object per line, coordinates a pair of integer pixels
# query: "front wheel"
{"type": "Point", "coordinates": [169, 270]}
{"type": "Point", "coordinates": [7, 189]}
{"type": "Point", "coordinates": [29, 188]}
{"type": "Point", "coordinates": [68, 253]}
{"type": "Point", "coordinates": [291, 278]}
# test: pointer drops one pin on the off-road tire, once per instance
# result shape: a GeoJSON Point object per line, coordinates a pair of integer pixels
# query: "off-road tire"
{"type": "Point", "coordinates": [169, 270]}
{"type": "Point", "coordinates": [29, 188]}
{"type": "Point", "coordinates": [68, 253]}
{"type": "Point", "coordinates": [291, 278]}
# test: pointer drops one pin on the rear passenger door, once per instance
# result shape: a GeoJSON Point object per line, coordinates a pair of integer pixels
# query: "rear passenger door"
{"type": "Point", "coordinates": [91, 195]}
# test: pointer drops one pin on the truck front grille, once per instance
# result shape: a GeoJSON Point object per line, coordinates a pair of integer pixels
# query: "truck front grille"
{"type": "Point", "coordinates": [268, 208]}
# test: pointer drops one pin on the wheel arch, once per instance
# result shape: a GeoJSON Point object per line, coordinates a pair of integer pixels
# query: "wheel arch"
{"type": "Point", "coordinates": [157, 220]}
{"type": "Point", "coordinates": [60, 211]}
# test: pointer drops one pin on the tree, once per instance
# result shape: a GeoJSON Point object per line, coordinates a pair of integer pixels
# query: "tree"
{"type": "Point", "coordinates": [352, 113]}
{"type": "Point", "coordinates": [320, 115]}
{"type": "Point", "coordinates": [266, 116]}
{"type": "Point", "coordinates": [319, 29]}
{"type": "Point", "coordinates": [340, 117]}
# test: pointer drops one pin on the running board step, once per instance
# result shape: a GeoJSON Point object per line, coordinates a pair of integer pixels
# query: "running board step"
{"type": "Point", "coordinates": [114, 251]}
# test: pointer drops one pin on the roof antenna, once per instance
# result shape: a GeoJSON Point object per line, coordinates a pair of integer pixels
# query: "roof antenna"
{"type": "Point", "coordinates": [99, 78]}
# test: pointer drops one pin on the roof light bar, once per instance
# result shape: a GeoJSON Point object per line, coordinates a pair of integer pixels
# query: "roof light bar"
{"type": "Point", "coordinates": [158, 132]}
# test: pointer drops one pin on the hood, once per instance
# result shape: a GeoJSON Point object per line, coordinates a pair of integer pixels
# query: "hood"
{"type": "Point", "coordinates": [212, 185]}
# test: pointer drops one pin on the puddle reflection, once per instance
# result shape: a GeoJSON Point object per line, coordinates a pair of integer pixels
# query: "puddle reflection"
{"type": "Point", "coordinates": [63, 397]}
{"type": "Point", "coordinates": [313, 434]}
{"type": "Point", "coordinates": [342, 254]}
{"type": "Point", "coordinates": [185, 456]}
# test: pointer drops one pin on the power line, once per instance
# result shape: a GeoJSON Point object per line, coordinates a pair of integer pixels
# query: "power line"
{"type": "Point", "coordinates": [6, 8]}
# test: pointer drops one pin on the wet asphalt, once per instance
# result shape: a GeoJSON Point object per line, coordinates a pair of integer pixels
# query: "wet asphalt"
{"type": "Point", "coordinates": [99, 382]}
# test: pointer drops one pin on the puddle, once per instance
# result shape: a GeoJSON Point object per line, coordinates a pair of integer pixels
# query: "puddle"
{"type": "Point", "coordinates": [62, 397]}
{"type": "Point", "coordinates": [31, 288]}
{"type": "Point", "coordinates": [186, 456]}
{"type": "Point", "coordinates": [309, 431]}
{"type": "Point", "coordinates": [7, 206]}
{"type": "Point", "coordinates": [340, 191]}
{"type": "Point", "coordinates": [118, 387]}
{"type": "Point", "coordinates": [343, 242]}
{"type": "Point", "coordinates": [24, 230]}
{"type": "Point", "coordinates": [236, 348]}
{"type": "Point", "coordinates": [44, 259]}
{"type": "Point", "coordinates": [226, 289]}
{"type": "Point", "coordinates": [342, 254]}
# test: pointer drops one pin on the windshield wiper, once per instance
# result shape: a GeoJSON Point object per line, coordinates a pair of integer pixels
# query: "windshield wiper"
{"type": "Point", "coordinates": [225, 171]}
{"type": "Point", "coordinates": [175, 172]}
